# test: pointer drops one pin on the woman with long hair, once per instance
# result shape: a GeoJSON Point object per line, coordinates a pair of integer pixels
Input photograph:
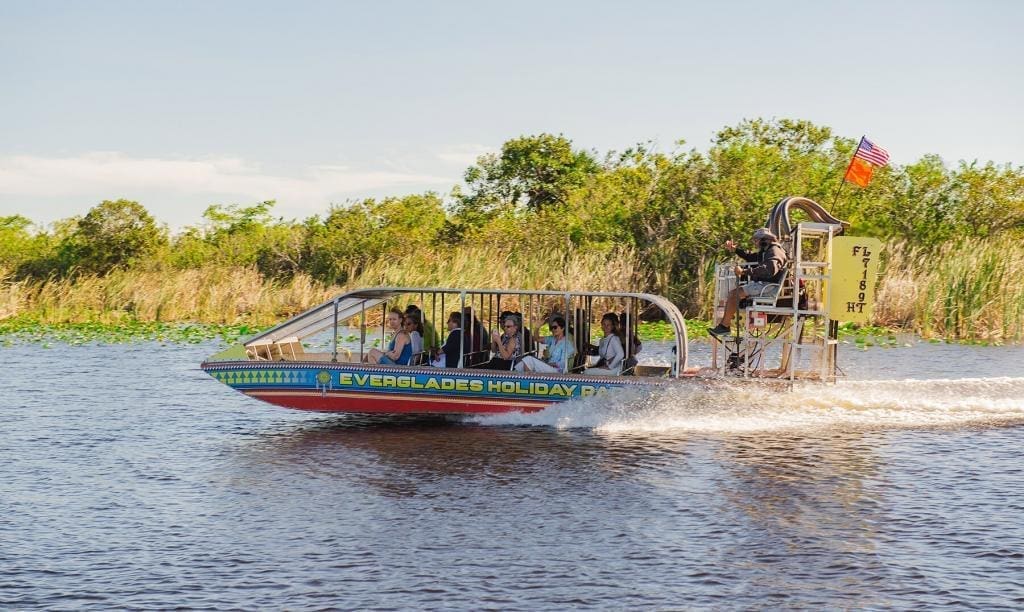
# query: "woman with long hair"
{"type": "Point", "coordinates": [399, 350]}
{"type": "Point", "coordinates": [413, 327]}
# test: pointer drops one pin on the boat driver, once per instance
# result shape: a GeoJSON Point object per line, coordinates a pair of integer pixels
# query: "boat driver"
{"type": "Point", "coordinates": [765, 277]}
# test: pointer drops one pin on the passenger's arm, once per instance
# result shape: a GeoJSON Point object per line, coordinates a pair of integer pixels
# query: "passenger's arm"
{"type": "Point", "coordinates": [507, 349]}
{"type": "Point", "coordinates": [617, 355]}
{"type": "Point", "coordinates": [746, 255]}
{"type": "Point", "coordinates": [400, 341]}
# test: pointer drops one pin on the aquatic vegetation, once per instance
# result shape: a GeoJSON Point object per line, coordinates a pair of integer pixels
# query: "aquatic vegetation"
{"type": "Point", "coordinates": [29, 330]}
{"type": "Point", "coordinates": [662, 330]}
{"type": "Point", "coordinates": [226, 295]}
{"type": "Point", "coordinates": [870, 335]}
{"type": "Point", "coordinates": [21, 330]}
{"type": "Point", "coordinates": [478, 266]}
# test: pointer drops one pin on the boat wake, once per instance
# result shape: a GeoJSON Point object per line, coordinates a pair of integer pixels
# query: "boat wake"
{"type": "Point", "coordinates": [747, 408]}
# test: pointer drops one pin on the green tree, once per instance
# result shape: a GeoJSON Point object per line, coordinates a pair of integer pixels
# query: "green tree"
{"type": "Point", "coordinates": [916, 203]}
{"type": "Point", "coordinates": [114, 233]}
{"type": "Point", "coordinates": [15, 241]}
{"type": "Point", "coordinates": [990, 199]}
{"type": "Point", "coordinates": [235, 218]}
{"type": "Point", "coordinates": [343, 243]}
{"type": "Point", "coordinates": [531, 171]}
{"type": "Point", "coordinates": [758, 162]}
{"type": "Point", "coordinates": [239, 235]}
{"type": "Point", "coordinates": [629, 203]}
{"type": "Point", "coordinates": [236, 233]}
{"type": "Point", "coordinates": [353, 235]}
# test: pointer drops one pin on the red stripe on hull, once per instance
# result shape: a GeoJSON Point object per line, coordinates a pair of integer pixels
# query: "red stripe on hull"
{"type": "Point", "coordinates": [380, 403]}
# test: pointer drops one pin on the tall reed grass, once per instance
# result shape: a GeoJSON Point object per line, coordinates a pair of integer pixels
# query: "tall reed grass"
{"type": "Point", "coordinates": [481, 267]}
{"type": "Point", "coordinates": [242, 295]}
{"type": "Point", "coordinates": [971, 289]}
{"type": "Point", "coordinates": [205, 295]}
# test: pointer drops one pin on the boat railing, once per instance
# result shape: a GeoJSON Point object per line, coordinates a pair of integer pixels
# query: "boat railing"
{"type": "Point", "coordinates": [482, 310]}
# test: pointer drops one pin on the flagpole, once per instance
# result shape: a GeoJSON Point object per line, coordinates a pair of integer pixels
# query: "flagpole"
{"type": "Point", "coordinates": [842, 181]}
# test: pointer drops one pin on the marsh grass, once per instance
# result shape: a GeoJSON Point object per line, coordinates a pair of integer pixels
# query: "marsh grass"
{"type": "Point", "coordinates": [217, 295]}
{"type": "Point", "coordinates": [968, 290]}
{"type": "Point", "coordinates": [235, 296]}
{"type": "Point", "coordinates": [483, 267]}
{"type": "Point", "coordinates": [972, 290]}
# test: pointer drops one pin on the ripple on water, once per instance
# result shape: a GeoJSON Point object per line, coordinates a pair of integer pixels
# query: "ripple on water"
{"type": "Point", "coordinates": [131, 479]}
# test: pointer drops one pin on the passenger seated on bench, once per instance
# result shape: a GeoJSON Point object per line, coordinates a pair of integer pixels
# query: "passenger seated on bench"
{"type": "Point", "coordinates": [399, 350]}
{"type": "Point", "coordinates": [765, 276]}
{"type": "Point", "coordinates": [448, 355]}
{"type": "Point", "coordinates": [411, 325]}
{"type": "Point", "coordinates": [560, 349]}
{"type": "Point", "coordinates": [424, 327]}
{"type": "Point", "coordinates": [610, 349]}
{"type": "Point", "coordinates": [477, 339]}
{"type": "Point", "coordinates": [526, 336]}
{"type": "Point", "coordinates": [508, 344]}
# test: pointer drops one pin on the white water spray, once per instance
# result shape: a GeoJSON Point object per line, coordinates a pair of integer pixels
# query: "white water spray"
{"type": "Point", "coordinates": [753, 407]}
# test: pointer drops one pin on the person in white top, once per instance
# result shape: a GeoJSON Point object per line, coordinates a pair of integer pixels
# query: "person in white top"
{"type": "Point", "coordinates": [560, 350]}
{"type": "Point", "coordinates": [610, 349]}
{"type": "Point", "coordinates": [409, 324]}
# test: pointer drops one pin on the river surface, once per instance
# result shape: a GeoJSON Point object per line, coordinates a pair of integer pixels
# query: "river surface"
{"type": "Point", "coordinates": [129, 479]}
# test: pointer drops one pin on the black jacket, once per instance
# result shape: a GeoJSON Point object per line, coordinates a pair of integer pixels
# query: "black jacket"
{"type": "Point", "coordinates": [453, 349]}
{"type": "Point", "coordinates": [771, 263]}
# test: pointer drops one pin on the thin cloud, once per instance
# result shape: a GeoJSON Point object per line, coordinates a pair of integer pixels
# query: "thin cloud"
{"type": "Point", "coordinates": [464, 154]}
{"type": "Point", "coordinates": [112, 173]}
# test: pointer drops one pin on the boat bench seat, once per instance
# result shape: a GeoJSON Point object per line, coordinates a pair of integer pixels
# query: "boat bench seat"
{"type": "Point", "coordinates": [289, 349]}
{"type": "Point", "coordinates": [281, 350]}
{"type": "Point", "coordinates": [474, 359]}
{"type": "Point", "coordinates": [262, 351]}
{"type": "Point", "coordinates": [783, 289]}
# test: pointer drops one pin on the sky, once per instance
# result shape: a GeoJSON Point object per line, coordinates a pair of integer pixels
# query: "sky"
{"type": "Point", "coordinates": [180, 105]}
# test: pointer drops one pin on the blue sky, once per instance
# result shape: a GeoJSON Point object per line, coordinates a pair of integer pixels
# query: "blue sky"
{"type": "Point", "coordinates": [184, 104]}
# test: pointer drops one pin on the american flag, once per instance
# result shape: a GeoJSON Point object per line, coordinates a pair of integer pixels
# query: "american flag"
{"type": "Point", "coordinates": [872, 153]}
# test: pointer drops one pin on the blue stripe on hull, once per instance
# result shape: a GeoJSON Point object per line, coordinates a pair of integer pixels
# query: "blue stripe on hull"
{"type": "Point", "coordinates": [482, 384]}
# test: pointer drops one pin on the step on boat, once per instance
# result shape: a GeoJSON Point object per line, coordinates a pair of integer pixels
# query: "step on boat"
{"type": "Point", "coordinates": [326, 359]}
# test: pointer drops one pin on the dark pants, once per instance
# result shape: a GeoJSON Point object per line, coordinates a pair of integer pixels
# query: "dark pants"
{"type": "Point", "coordinates": [497, 363]}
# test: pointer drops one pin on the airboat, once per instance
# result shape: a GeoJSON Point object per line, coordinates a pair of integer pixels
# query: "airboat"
{"type": "Point", "coordinates": [317, 360]}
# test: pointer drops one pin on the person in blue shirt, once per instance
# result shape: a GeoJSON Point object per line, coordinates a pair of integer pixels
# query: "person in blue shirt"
{"type": "Point", "coordinates": [560, 350]}
{"type": "Point", "coordinates": [399, 350]}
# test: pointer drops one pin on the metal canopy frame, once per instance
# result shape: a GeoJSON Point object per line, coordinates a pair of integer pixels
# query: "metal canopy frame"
{"type": "Point", "coordinates": [357, 302]}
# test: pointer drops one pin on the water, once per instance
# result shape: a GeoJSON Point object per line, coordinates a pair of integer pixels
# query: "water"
{"type": "Point", "coordinates": [130, 479]}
